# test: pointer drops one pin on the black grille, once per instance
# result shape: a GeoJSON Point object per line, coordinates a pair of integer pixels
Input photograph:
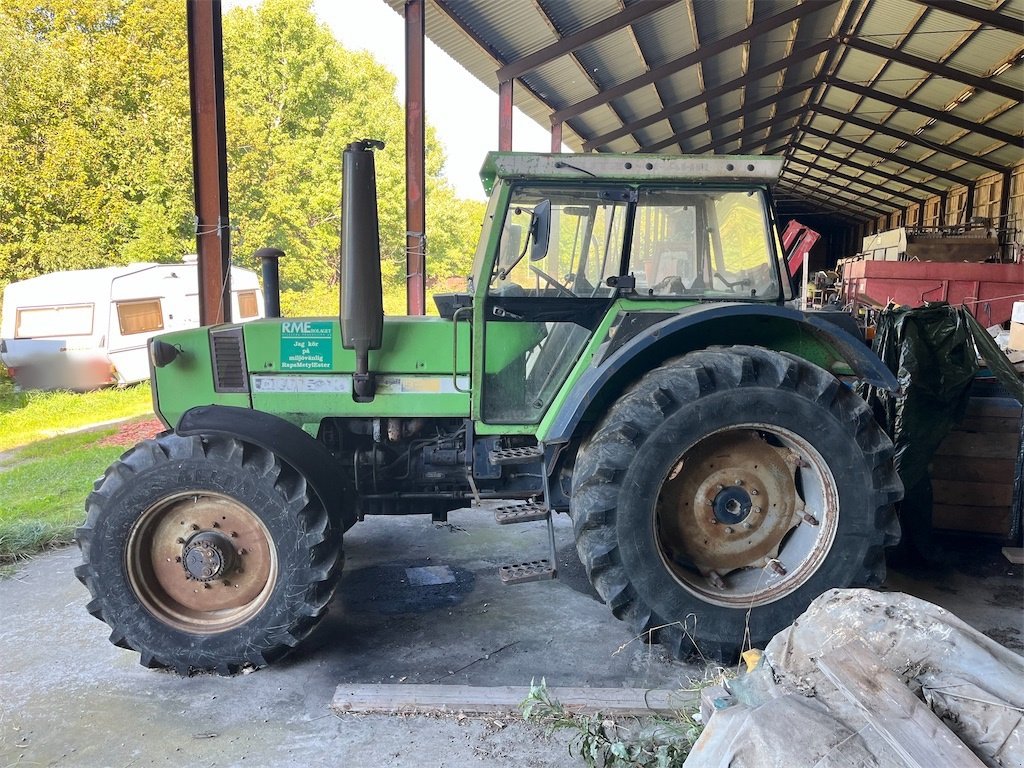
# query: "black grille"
{"type": "Point", "coordinates": [228, 351]}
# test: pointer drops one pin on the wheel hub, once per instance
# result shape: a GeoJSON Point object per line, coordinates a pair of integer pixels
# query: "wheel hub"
{"type": "Point", "coordinates": [209, 555]}
{"type": "Point", "coordinates": [732, 505]}
{"type": "Point", "coordinates": [728, 504]}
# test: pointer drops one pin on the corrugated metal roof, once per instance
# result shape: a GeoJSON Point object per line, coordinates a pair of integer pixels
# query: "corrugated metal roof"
{"type": "Point", "coordinates": [926, 92]}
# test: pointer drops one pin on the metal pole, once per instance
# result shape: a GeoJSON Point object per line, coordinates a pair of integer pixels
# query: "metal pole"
{"type": "Point", "coordinates": [415, 188]}
{"type": "Point", "coordinates": [505, 116]}
{"type": "Point", "coordinates": [209, 160]}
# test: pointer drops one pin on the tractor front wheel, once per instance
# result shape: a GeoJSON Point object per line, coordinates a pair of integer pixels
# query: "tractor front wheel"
{"type": "Point", "coordinates": [206, 554]}
{"type": "Point", "coordinates": [725, 491]}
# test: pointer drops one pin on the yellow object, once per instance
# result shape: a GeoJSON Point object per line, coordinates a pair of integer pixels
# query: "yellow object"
{"type": "Point", "coordinates": [751, 658]}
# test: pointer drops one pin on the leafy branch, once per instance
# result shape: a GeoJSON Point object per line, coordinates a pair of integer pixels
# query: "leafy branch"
{"type": "Point", "coordinates": [599, 740]}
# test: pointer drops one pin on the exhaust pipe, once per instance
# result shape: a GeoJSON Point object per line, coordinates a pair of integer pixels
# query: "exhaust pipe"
{"type": "Point", "coordinates": [361, 305]}
{"type": "Point", "coordinates": [271, 281]}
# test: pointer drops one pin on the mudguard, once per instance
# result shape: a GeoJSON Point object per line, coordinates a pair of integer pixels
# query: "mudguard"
{"type": "Point", "coordinates": [865, 365]}
{"type": "Point", "coordinates": [294, 446]}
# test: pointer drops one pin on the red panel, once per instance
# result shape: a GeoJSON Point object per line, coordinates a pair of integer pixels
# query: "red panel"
{"type": "Point", "coordinates": [988, 290]}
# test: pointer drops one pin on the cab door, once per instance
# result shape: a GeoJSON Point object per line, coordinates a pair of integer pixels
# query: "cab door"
{"type": "Point", "coordinates": [542, 305]}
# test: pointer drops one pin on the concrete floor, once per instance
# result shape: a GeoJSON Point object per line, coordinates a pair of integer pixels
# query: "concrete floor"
{"type": "Point", "coordinates": [67, 697]}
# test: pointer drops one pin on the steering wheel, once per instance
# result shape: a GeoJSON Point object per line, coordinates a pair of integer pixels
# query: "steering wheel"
{"type": "Point", "coordinates": [553, 282]}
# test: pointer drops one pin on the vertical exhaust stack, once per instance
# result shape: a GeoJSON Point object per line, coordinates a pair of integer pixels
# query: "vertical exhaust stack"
{"type": "Point", "coordinates": [362, 307]}
{"type": "Point", "coordinates": [271, 280]}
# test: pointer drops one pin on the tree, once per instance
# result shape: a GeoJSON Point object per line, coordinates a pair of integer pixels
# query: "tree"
{"type": "Point", "coordinates": [93, 134]}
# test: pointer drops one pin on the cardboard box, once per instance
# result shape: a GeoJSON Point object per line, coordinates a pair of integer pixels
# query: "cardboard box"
{"type": "Point", "coordinates": [1017, 314]}
{"type": "Point", "coordinates": [1016, 336]}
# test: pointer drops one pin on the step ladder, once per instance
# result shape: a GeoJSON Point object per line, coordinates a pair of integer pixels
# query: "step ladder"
{"type": "Point", "coordinates": [529, 511]}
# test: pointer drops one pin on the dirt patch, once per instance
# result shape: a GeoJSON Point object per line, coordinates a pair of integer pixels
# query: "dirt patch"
{"type": "Point", "coordinates": [134, 432]}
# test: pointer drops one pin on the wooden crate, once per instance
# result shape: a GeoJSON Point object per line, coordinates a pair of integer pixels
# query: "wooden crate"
{"type": "Point", "coordinates": [974, 468]}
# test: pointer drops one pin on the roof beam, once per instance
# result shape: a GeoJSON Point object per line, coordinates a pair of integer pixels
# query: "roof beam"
{"type": "Point", "coordinates": [866, 212]}
{"type": "Point", "coordinates": [840, 192]}
{"type": "Point", "coordinates": [852, 179]}
{"type": "Point", "coordinates": [847, 162]}
{"type": "Point", "coordinates": [742, 111]}
{"type": "Point", "coordinates": [804, 178]}
{"type": "Point", "coordinates": [908, 104]}
{"type": "Point", "coordinates": [576, 40]}
{"type": "Point", "coordinates": [845, 117]}
{"type": "Point", "coordinates": [711, 93]}
{"type": "Point", "coordinates": [974, 13]}
{"type": "Point", "coordinates": [696, 57]}
{"type": "Point", "coordinates": [936, 68]}
{"type": "Point", "coordinates": [750, 129]}
{"type": "Point", "coordinates": [861, 146]}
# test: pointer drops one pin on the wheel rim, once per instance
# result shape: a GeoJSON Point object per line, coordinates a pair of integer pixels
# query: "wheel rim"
{"type": "Point", "coordinates": [201, 562]}
{"type": "Point", "coordinates": [746, 515]}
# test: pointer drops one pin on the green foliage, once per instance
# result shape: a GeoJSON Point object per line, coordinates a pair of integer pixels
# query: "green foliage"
{"type": "Point", "coordinates": [29, 416]}
{"type": "Point", "coordinates": [43, 486]}
{"type": "Point", "coordinates": [600, 741]}
{"type": "Point", "coordinates": [95, 143]}
{"type": "Point", "coordinates": [93, 134]}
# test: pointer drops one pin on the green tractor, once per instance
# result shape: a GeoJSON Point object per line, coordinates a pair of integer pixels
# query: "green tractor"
{"type": "Point", "coordinates": [623, 353]}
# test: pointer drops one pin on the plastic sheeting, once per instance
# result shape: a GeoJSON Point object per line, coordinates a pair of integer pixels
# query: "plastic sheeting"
{"type": "Point", "coordinates": [788, 713]}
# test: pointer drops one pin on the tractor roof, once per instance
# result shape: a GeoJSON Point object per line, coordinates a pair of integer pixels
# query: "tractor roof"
{"type": "Point", "coordinates": [631, 168]}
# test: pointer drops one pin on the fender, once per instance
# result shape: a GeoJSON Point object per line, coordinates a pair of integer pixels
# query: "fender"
{"type": "Point", "coordinates": [656, 341]}
{"type": "Point", "coordinates": [294, 446]}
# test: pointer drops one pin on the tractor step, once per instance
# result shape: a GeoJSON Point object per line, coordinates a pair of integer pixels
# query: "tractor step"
{"type": "Point", "coordinates": [525, 454]}
{"type": "Point", "coordinates": [520, 513]}
{"type": "Point", "coordinates": [520, 573]}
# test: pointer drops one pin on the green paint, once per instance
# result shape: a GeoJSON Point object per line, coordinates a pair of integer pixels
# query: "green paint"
{"type": "Point", "coordinates": [307, 345]}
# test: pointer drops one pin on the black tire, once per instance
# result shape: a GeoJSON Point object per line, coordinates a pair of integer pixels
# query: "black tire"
{"type": "Point", "coordinates": [160, 559]}
{"type": "Point", "coordinates": [650, 508]}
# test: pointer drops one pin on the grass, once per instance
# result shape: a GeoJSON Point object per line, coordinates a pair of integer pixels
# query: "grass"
{"type": "Point", "coordinates": [26, 417]}
{"type": "Point", "coordinates": [43, 487]}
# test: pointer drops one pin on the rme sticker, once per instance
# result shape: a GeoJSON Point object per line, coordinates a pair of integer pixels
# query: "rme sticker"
{"type": "Point", "coordinates": [306, 346]}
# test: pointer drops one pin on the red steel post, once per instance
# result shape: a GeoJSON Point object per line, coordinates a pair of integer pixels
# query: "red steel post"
{"type": "Point", "coordinates": [209, 159]}
{"type": "Point", "coordinates": [505, 116]}
{"type": "Point", "coordinates": [415, 187]}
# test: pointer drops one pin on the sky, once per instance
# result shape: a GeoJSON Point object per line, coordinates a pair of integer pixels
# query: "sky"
{"type": "Point", "coordinates": [462, 109]}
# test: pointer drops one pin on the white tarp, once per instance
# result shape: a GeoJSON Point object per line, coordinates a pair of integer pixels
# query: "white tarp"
{"type": "Point", "coordinates": [787, 713]}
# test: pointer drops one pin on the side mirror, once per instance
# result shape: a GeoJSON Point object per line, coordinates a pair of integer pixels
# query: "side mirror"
{"type": "Point", "coordinates": [540, 230]}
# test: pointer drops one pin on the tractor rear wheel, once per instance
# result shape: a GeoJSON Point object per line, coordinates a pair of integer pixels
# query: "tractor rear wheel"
{"type": "Point", "coordinates": [206, 554]}
{"type": "Point", "coordinates": [725, 491]}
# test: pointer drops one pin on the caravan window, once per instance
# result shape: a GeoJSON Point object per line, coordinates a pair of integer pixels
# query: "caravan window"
{"type": "Point", "coordinates": [59, 320]}
{"type": "Point", "coordinates": [140, 316]}
{"type": "Point", "coordinates": [247, 306]}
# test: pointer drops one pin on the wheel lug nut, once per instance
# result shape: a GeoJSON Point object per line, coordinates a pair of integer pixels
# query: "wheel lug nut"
{"type": "Point", "coordinates": [753, 491]}
{"type": "Point", "coordinates": [195, 527]}
{"type": "Point", "coordinates": [756, 510]}
{"type": "Point", "coordinates": [713, 520]}
{"type": "Point", "coordinates": [206, 585]}
{"type": "Point", "coordinates": [216, 525]}
{"type": "Point", "coordinates": [226, 583]}
{"type": "Point", "coordinates": [738, 482]}
{"type": "Point", "coordinates": [720, 487]}
{"type": "Point", "coordinates": [177, 559]}
{"type": "Point", "coordinates": [728, 529]}
{"type": "Point", "coordinates": [180, 540]}
{"type": "Point", "coordinates": [748, 526]}
{"type": "Point", "coordinates": [234, 534]}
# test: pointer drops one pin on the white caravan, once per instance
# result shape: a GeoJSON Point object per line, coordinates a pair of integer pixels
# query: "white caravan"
{"type": "Point", "coordinates": [88, 328]}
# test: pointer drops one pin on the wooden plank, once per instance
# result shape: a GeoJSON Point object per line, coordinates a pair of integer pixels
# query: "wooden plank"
{"type": "Point", "coordinates": [988, 424]}
{"type": "Point", "coordinates": [899, 717]}
{"type": "Point", "coordinates": [960, 493]}
{"type": "Point", "coordinates": [999, 446]}
{"type": "Point", "coordinates": [974, 519]}
{"type": "Point", "coordinates": [973, 470]}
{"type": "Point", "coordinates": [999, 407]}
{"type": "Point", "coordinates": [1014, 554]}
{"type": "Point", "coordinates": [484, 700]}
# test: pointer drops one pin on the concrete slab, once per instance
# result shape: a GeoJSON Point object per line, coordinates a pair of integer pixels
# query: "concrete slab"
{"type": "Point", "coordinates": [418, 604]}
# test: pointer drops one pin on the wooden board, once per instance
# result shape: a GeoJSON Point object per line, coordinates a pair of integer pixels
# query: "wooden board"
{"type": "Point", "coordinates": [1014, 554]}
{"type": "Point", "coordinates": [998, 446]}
{"type": "Point", "coordinates": [482, 700]}
{"type": "Point", "coordinates": [899, 717]}
{"type": "Point", "coordinates": [973, 470]}
{"type": "Point", "coordinates": [960, 493]}
{"type": "Point", "coordinates": [951, 517]}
